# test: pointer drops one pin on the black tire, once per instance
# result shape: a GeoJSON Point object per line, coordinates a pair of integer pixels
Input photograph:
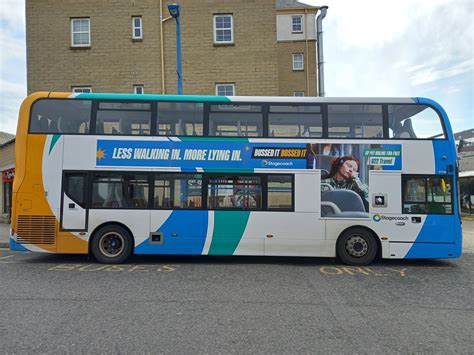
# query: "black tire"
{"type": "Point", "coordinates": [112, 244]}
{"type": "Point", "coordinates": [356, 246]}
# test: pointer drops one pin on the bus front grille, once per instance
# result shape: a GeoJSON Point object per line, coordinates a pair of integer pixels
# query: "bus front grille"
{"type": "Point", "coordinates": [36, 230]}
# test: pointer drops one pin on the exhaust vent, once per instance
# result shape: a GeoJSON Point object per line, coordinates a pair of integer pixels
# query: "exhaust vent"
{"type": "Point", "coordinates": [36, 230]}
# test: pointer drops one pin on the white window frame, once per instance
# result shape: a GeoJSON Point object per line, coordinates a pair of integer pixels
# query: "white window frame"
{"type": "Point", "coordinates": [88, 31]}
{"type": "Point", "coordinates": [140, 27]}
{"type": "Point", "coordinates": [136, 87]}
{"type": "Point", "coordinates": [297, 61]}
{"type": "Point", "coordinates": [225, 84]}
{"type": "Point", "coordinates": [81, 89]}
{"type": "Point", "coordinates": [298, 93]}
{"type": "Point", "coordinates": [301, 24]}
{"type": "Point", "coordinates": [231, 28]}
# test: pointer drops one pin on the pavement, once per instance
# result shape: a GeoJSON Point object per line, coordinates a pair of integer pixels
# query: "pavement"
{"type": "Point", "coordinates": [4, 235]}
{"type": "Point", "coordinates": [467, 226]}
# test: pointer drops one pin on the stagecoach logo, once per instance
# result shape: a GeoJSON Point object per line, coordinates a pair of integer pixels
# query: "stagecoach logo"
{"type": "Point", "coordinates": [277, 164]}
{"type": "Point", "coordinates": [378, 218]}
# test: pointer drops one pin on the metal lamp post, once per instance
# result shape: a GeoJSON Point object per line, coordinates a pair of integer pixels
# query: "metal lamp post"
{"type": "Point", "coordinates": [174, 12]}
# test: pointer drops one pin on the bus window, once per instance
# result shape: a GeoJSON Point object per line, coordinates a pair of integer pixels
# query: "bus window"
{"type": "Point", "coordinates": [111, 190]}
{"type": "Point", "coordinates": [427, 194]}
{"type": "Point", "coordinates": [178, 191]}
{"type": "Point", "coordinates": [75, 187]}
{"type": "Point", "coordinates": [414, 121]}
{"type": "Point", "coordinates": [236, 121]}
{"type": "Point", "coordinates": [355, 121]}
{"type": "Point", "coordinates": [235, 192]}
{"type": "Point", "coordinates": [123, 118]}
{"type": "Point", "coordinates": [280, 192]}
{"type": "Point", "coordinates": [295, 121]}
{"type": "Point", "coordinates": [60, 116]}
{"type": "Point", "coordinates": [180, 118]}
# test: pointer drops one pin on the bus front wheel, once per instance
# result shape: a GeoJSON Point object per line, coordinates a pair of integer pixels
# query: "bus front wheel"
{"type": "Point", "coordinates": [356, 246]}
{"type": "Point", "coordinates": [112, 244]}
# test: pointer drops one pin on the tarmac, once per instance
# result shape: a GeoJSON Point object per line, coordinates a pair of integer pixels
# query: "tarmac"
{"type": "Point", "coordinates": [467, 227]}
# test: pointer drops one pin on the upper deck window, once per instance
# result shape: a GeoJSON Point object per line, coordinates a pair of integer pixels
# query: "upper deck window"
{"type": "Point", "coordinates": [127, 118]}
{"type": "Point", "coordinates": [60, 116]}
{"type": "Point", "coordinates": [414, 121]}
{"type": "Point", "coordinates": [180, 118]}
{"type": "Point", "coordinates": [236, 121]}
{"type": "Point", "coordinates": [295, 121]}
{"type": "Point", "coordinates": [355, 121]}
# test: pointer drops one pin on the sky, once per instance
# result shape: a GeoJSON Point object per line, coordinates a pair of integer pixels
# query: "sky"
{"type": "Point", "coordinates": [388, 48]}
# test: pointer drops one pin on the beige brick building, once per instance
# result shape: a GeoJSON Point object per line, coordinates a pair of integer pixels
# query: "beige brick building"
{"type": "Point", "coordinates": [240, 47]}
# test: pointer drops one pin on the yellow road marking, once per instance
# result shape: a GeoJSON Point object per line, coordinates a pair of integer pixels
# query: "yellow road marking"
{"type": "Point", "coordinates": [6, 257]}
{"type": "Point", "coordinates": [112, 268]}
{"type": "Point", "coordinates": [365, 270]}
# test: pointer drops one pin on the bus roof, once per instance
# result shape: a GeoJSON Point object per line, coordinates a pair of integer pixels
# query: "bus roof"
{"type": "Point", "coordinates": [223, 99]}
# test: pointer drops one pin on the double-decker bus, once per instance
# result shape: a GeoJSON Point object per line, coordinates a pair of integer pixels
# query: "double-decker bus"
{"type": "Point", "coordinates": [116, 174]}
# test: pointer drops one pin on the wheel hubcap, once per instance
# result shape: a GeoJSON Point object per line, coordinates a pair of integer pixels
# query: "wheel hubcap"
{"type": "Point", "coordinates": [111, 244]}
{"type": "Point", "coordinates": [356, 246]}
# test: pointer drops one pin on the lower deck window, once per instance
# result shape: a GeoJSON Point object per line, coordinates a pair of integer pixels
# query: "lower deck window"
{"type": "Point", "coordinates": [427, 194]}
{"type": "Point", "coordinates": [235, 192]}
{"type": "Point", "coordinates": [280, 192]}
{"type": "Point", "coordinates": [175, 191]}
{"type": "Point", "coordinates": [120, 191]}
{"type": "Point", "coordinates": [167, 191]}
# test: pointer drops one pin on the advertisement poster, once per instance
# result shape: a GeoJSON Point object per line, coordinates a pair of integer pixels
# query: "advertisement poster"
{"type": "Point", "coordinates": [345, 174]}
{"type": "Point", "coordinates": [344, 167]}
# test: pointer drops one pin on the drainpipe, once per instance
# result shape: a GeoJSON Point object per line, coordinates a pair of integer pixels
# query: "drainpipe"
{"type": "Point", "coordinates": [319, 31]}
{"type": "Point", "coordinates": [306, 50]}
{"type": "Point", "coordinates": [162, 50]}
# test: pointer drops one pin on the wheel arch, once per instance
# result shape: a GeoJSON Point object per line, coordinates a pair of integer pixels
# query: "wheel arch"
{"type": "Point", "coordinates": [111, 223]}
{"type": "Point", "coordinates": [370, 230]}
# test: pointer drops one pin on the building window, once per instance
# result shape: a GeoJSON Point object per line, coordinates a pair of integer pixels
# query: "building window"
{"type": "Point", "coordinates": [223, 29]}
{"type": "Point", "coordinates": [81, 89]}
{"type": "Point", "coordinates": [138, 89]}
{"type": "Point", "coordinates": [137, 27]}
{"type": "Point", "coordinates": [298, 93]}
{"type": "Point", "coordinates": [298, 63]}
{"type": "Point", "coordinates": [80, 32]}
{"type": "Point", "coordinates": [225, 89]}
{"type": "Point", "coordinates": [297, 24]}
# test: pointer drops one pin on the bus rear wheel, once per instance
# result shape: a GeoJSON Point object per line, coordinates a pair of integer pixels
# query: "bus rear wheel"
{"type": "Point", "coordinates": [357, 246]}
{"type": "Point", "coordinates": [112, 244]}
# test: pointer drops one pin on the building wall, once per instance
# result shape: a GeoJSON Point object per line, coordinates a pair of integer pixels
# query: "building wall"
{"type": "Point", "coordinates": [7, 157]}
{"type": "Point", "coordinates": [290, 80]}
{"type": "Point", "coordinates": [284, 26]}
{"type": "Point", "coordinates": [114, 63]}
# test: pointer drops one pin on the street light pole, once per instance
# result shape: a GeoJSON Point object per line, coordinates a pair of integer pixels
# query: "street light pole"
{"type": "Point", "coordinates": [174, 12]}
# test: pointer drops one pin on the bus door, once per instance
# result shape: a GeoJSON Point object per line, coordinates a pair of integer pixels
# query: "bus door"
{"type": "Point", "coordinates": [73, 210]}
{"type": "Point", "coordinates": [302, 232]}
